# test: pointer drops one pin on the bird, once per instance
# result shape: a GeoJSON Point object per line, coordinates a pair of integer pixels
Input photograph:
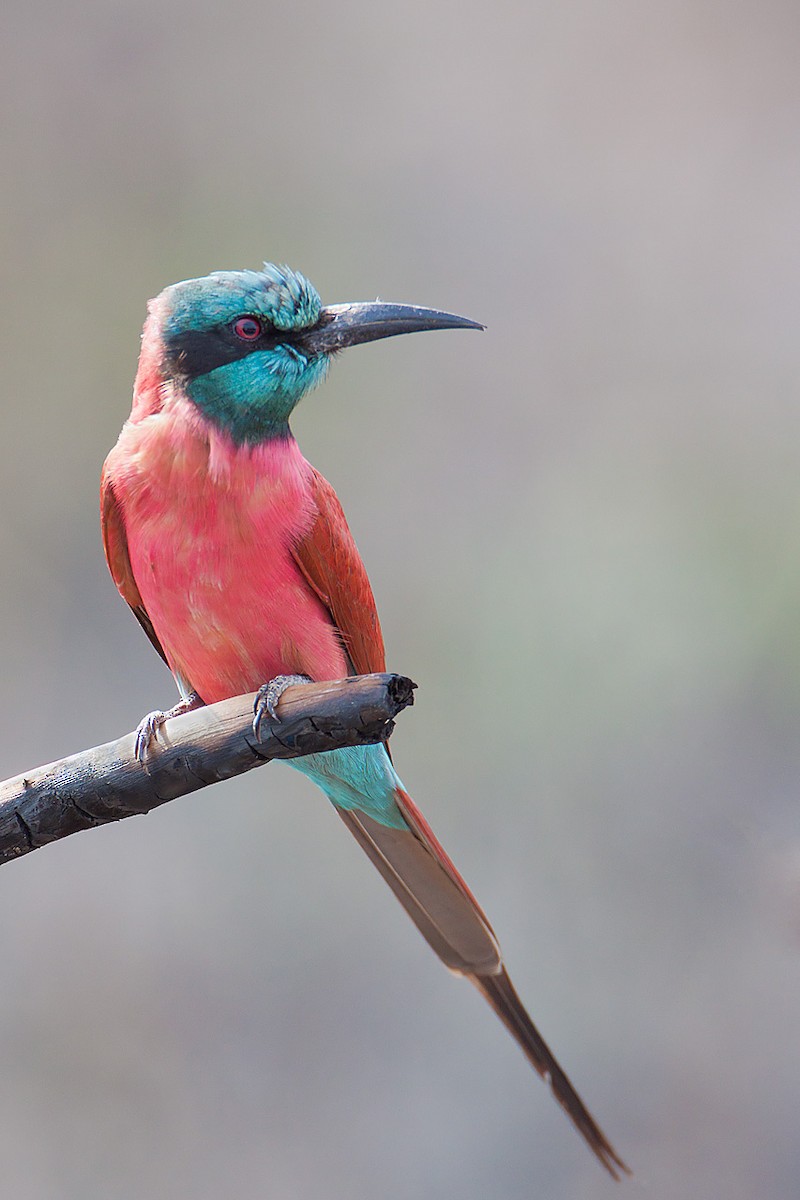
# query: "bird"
{"type": "Point", "coordinates": [235, 556]}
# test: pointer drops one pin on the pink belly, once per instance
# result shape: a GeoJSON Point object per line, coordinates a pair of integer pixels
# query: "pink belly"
{"type": "Point", "coordinates": [230, 628]}
{"type": "Point", "coordinates": [210, 530]}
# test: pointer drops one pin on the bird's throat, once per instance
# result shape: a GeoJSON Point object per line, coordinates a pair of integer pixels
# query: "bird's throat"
{"type": "Point", "coordinates": [245, 415]}
{"type": "Point", "coordinates": [252, 398]}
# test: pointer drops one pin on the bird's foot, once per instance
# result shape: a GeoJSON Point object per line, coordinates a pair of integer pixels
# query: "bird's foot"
{"type": "Point", "coordinates": [148, 727]}
{"type": "Point", "coordinates": [268, 696]}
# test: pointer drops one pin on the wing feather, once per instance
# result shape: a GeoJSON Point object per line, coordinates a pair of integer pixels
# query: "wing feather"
{"type": "Point", "coordinates": [328, 558]}
{"type": "Point", "coordinates": [115, 544]}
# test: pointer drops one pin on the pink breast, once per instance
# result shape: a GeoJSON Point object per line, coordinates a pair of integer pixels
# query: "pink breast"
{"type": "Point", "coordinates": [210, 528]}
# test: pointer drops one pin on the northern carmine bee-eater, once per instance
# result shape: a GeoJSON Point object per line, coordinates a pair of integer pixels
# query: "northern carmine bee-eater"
{"type": "Point", "coordinates": [235, 556]}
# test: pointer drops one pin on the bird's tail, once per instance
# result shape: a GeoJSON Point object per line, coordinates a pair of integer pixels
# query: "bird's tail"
{"type": "Point", "coordinates": [403, 847]}
{"type": "Point", "coordinates": [501, 994]}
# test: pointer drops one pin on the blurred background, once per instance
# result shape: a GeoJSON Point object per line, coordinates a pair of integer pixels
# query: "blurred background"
{"type": "Point", "coordinates": [582, 529]}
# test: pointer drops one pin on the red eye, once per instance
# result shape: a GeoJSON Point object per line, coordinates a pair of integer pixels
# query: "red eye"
{"type": "Point", "coordinates": [247, 328]}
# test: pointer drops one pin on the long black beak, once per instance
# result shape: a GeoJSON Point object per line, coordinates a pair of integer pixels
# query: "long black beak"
{"type": "Point", "coordinates": [342, 325]}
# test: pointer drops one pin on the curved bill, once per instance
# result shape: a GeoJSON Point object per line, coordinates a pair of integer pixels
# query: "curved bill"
{"type": "Point", "coordinates": [342, 325]}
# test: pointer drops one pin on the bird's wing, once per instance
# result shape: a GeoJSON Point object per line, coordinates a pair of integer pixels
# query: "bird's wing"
{"type": "Point", "coordinates": [115, 544]}
{"type": "Point", "coordinates": [331, 564]}
{"type": "Point", "coordinates": [412, 861]}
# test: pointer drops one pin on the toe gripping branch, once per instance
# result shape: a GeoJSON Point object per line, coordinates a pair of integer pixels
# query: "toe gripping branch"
{"type": "Point", "coordinates": [267, 698]}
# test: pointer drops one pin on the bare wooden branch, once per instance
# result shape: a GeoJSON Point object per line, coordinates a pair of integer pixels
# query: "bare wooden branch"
{"type": "Point", "coordinates": [106, 783]}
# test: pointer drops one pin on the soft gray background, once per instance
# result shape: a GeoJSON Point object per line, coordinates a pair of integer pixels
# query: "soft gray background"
{"type": "Point", "coordinates": [582, 529]}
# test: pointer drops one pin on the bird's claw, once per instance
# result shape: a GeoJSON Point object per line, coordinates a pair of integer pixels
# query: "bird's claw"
{"type": "Point", "coordinates": [267, 698]}
{"type": "Point", "coordinates": [148, 727]}
{"type": "Point", "coordinates": [147, 732]}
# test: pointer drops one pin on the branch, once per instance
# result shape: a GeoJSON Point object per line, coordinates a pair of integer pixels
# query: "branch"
{"type": "Point", "coordinates": [106, 783]}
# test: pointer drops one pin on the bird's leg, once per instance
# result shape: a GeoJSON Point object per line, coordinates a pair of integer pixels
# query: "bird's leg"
{"type": "Point", "coordinates": [148, 727]}
{"type": "Point", "coordinates": [268, 696]}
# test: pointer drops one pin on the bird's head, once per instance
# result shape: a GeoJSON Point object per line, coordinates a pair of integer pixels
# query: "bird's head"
{"type": "Point", "coordinates": [245, 346]}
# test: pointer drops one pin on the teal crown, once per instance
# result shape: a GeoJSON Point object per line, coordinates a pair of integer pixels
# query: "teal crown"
{"type": "Point", "coordinates": [283, 297]}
